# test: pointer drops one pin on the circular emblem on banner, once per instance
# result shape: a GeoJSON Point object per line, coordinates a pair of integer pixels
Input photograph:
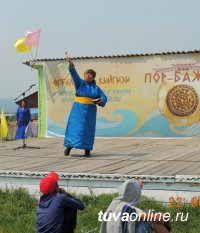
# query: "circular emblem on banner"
{"type": "Point", "coordinates": [179, 103]}
{"type": "Point", "coordinates": [182, 100]}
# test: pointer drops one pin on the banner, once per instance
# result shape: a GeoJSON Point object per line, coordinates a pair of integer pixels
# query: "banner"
{"type": "Point", "coordinates": [148, 96]}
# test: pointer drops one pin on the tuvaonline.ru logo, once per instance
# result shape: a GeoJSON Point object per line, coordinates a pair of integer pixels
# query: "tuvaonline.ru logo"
{"type": "Point", "coordinates": [143, 216]}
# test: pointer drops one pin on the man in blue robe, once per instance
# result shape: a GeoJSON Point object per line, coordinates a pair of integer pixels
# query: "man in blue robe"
{"type": "Point", "coordinates": [80, 130]}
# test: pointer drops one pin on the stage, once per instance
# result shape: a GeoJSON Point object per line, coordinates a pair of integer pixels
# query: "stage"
{"type": "Point", "coordinates": [163, 164]}
{"type": "Point", "coordinates": [160, 157]}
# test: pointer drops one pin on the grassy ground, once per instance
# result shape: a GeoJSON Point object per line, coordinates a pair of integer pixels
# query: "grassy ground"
{"type": "Point", "coordinates": [17, 213]}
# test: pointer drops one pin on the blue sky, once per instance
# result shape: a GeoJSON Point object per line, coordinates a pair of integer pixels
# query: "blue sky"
{"type": "Point", "coordinates": [92, 28]}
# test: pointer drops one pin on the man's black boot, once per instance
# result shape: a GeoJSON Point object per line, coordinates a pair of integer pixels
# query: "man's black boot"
{"type": "Point", "coordinates": [87, 153]}
{"type": "Point", "coordinates": [67, 151]}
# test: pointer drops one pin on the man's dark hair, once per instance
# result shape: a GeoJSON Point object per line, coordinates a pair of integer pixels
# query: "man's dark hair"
{"type": "Point", "coordinates": [25, 101]}
{"type": "Point", "coordinates": [91, 72]}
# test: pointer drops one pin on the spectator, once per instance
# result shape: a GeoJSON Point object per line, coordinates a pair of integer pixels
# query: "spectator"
{"type": "Point", "coordinates": [57, 210]}
{"type": "Point", "coordinates": [129, 196]}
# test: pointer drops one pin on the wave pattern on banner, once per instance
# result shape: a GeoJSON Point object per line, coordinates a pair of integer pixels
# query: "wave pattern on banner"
{"type": "Point", "coordinates": [125, 123]}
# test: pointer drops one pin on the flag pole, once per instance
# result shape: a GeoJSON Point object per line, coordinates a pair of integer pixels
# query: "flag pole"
{"type": "Point", "coordinates": [36, 51]}
{"type": "Point", "coordinates": [37, 46]}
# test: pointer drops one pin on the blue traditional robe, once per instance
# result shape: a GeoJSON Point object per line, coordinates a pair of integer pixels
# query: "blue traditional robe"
{"type": "Point", "coordinates": [23, 116]}
{"type": "Point", "coordinates": [80, 130]}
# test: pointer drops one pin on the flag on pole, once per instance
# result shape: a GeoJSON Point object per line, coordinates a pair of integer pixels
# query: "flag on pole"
{"type": "Point", "coordinates": [21, 46]}
{"type": "Point", "coordinates": [32, 38]}
{"type": "Point", "coordinates": [4, 125]}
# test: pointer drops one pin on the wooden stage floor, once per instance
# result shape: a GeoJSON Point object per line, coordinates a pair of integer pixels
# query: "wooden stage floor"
{"type": "Point", "coordinates": [126, 156]}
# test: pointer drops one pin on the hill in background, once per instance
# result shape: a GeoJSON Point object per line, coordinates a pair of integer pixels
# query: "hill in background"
{"type": "Point", "coordinates": [8, 105]}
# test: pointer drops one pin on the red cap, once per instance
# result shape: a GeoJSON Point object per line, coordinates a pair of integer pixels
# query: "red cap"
{"type": "Point", "coordinates": [48, 184]}
{"type": "Point", "coordinates": [54, 176]}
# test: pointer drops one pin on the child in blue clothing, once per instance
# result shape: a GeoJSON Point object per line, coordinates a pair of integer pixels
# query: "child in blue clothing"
{"type": "Point", "coordinates": [57, 210]}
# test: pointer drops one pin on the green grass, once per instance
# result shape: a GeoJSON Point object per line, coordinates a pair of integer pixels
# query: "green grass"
{"type": "Point", "coordinates": [17, 213]}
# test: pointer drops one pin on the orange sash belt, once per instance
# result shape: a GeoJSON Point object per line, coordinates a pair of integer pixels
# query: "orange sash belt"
{"type": "Point", "coordinates": [83, 100]}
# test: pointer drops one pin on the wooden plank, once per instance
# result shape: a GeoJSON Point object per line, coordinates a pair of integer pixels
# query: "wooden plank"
{"type": "Point", "coordinates": [171, 168]}
{"type": "Point", "coordinates": [192, 169]}
{"type": "Point", "coordinates": [122, 156]}
{"type": "Point", "coordinates": [114, 167]}
{"type": "Point", "coordinates": [132, 168]}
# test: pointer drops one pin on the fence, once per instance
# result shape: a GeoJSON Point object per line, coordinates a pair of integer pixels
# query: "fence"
{"type": "Point", "coordinates": [11, 131]}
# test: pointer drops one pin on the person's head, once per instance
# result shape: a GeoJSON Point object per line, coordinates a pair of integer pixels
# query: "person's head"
{"type": "Point", "coordinates": [24, 103]}
{"type": "Point", "coordinates": [90, 75]}
{"type": "Point", "coordinates": [49, 185]}
{"type": "Point", "coordinates": [140, 183]}
{"type": "Point", "coordinates": [130, 191]}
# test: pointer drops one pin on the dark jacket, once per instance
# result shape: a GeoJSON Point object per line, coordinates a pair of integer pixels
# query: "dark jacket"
{"type": "Point", "coordinates": [53, 210]}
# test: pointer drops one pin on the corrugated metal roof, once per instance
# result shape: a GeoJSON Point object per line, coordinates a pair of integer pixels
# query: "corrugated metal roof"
{"type": "Point", "coordinates": [114, 56]}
